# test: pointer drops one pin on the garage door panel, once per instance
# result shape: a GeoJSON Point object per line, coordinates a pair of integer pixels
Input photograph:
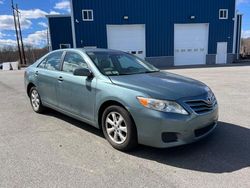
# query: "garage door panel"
{"type": "Point", "coordinates": [128, 38]}
{"type": "Point", "coordinates": [191, 43]}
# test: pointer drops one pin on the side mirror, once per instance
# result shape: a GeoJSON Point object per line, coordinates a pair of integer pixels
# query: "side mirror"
{"type": "Point", "coordinates": [83, 72]}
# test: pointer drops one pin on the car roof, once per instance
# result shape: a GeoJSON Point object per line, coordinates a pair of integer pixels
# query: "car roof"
{"type": "Point", "coordinates": [86, 50]}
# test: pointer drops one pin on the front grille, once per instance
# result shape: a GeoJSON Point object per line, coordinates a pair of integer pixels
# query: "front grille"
{"type": "Point", "coordinates": [202, 106]}
{"type": "Point", "coordinates": [204, 130]}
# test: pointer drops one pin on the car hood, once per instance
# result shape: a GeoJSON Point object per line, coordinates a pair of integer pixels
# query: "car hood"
{"type": "Point", "coordinates": [162, 85]}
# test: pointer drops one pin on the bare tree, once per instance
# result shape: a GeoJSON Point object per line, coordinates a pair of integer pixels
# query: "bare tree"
{"type": "Point", "coordinates": [10, 54]}
{"type": "Point", "coordinates": [245, 48]}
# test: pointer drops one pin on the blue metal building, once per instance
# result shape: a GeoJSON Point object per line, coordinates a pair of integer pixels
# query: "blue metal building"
{"type": "Point", "coordinates": [164, 32]}
{"type": "Point", "coordinates": [60, 30]}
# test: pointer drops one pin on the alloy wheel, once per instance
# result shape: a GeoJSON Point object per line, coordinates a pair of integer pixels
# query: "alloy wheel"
{"type": "Point", "coordinates": [35, 100]}
{"type": "Point", "coordinates": [116, 127]}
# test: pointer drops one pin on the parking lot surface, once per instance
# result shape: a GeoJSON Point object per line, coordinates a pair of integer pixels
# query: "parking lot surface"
{"type": "Point", "coordinates": [52, 150]}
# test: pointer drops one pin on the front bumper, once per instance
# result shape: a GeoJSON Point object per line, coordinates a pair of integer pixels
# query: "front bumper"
{"type": "Point", "coordinates": [163, 130]}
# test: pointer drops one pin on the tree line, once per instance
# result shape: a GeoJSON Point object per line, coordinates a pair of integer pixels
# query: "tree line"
{"type": "Point", "coordinates": [10, 54]}
{"type": "Point", "coordinates": [245, 48]}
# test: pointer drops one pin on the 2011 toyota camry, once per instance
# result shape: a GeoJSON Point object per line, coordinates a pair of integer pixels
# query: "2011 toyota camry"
{"type": "Point", "coordinates": [127, 98]}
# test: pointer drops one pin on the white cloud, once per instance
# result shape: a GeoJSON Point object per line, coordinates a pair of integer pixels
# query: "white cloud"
{"type": "Point", "coordinates": [36, 13]}
{"type": "Point", "coordinates": [43, 24]}
{"type": "Point", "coordinates": [2, 35]}
{"type": "Point", "coordinates": [53, 12]}
{"type": "Point", "coordinates": [38, 39]}
{"type": "Point", "coordinates": [7, 42]}
{"type": "Point", "coordinates": [7, 22]}
{"type": "Point", "coordinates": [1, 2]}
{"type": "Point", "coordinates": [33, 13]}
{"type": "Point", "coordinates": [246, 34]}
{"type": "Point", "coordinates": [63, 5]}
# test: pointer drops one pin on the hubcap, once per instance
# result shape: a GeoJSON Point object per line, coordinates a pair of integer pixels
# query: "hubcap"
{"type": "Point", "coordinates": [35, 101]}
{"type": "Point", "coordinates": [116, 127]}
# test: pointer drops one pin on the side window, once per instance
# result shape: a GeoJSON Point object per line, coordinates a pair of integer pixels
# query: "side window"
{"type": "Point", "coordinates": [73, 61]}
{"type": "Point", "coordinates": [53, 61]}
{"type": "Point", "coordinates": [43, 63]}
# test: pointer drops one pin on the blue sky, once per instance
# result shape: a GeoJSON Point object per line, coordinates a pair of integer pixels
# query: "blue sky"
{"type": "Point", "coordinates": [34, 23]}
{"type": "Point", "coordinates": [33, 20]}
{"type": "Point", "coordinates": [243, 6]}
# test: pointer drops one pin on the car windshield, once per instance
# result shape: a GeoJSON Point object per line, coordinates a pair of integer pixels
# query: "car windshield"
{"type": "Point", "coordinates": [118, 63]}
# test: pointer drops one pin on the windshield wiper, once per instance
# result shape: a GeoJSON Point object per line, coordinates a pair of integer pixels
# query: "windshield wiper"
{"type": "Point", "coordinates": [152, 71]}
{"type": "Point", "coordinates": [147, 72]}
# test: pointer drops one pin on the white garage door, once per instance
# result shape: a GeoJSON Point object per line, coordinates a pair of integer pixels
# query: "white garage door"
{"type": "Point", "coordinates": [190, 44]}
{"type": "Point", "coordinates": [128, 38]}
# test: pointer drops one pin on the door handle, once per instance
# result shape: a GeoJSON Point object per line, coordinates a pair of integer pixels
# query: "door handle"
{"type": "Point", "coordinates": [60, 79]}
{"type": "Point", "coordinates": [36, 73]}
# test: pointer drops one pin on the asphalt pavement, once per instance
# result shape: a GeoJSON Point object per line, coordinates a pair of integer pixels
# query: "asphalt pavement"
{"type": "Point", "coordinates": [53, 150]}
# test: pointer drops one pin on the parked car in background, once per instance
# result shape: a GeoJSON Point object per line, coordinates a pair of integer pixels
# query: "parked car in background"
{"type": "Point", "coordinates": [127, 98]}
{"type": "Point", "coordinates": [1, 66]}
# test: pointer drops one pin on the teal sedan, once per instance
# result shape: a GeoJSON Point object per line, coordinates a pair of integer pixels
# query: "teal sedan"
{"type": "Point", "coordinates": [130, 100]}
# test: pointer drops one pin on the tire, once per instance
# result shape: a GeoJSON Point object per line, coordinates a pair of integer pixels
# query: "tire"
{"type": "Point", "coordinates": [35, 100]}
{"type": "Point", "coordinates": [119, 128]}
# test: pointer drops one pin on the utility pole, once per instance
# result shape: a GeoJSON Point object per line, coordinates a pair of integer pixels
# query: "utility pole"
{"type": "Point", "coordinates": [21, 37]}
{"type": "Point", "coordinates": [17, 34]}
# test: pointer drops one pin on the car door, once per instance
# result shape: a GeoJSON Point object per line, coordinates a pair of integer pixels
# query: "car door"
{"type": "Point", "coordinates": [76, 94]}
{"type": "Point", "coordinates": [47, 75]}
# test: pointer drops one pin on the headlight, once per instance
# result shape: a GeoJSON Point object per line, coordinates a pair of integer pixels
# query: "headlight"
{"type": "Point", "coordinates": [163, 106]}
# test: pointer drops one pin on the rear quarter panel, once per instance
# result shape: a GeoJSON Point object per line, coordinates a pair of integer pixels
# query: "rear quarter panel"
{"type": "Point", "coordinates": [29, 76]}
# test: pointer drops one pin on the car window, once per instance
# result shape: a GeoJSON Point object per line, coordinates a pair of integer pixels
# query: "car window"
{"type": "Point", "coordinates": [73, 61]}
{"type": "Point", "coordinates": [43, 63]}
{"type": "Point", "coordinates": [53, 61]}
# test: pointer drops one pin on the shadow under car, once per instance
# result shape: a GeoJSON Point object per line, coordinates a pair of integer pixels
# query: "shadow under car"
{"type": "Point", "coordinates": [226, 150]}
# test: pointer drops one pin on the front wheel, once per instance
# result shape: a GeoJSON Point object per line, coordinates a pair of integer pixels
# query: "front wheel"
{"type": "Point", "coordinates": [35, 100]}
{"type": "Point", "coordinates": [118, 128]}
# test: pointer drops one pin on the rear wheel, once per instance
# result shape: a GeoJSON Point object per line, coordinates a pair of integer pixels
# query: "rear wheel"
{"type": "Point", "coordinates": [35, 100]}
{"type": "Point", "coordinates": [118, 128]}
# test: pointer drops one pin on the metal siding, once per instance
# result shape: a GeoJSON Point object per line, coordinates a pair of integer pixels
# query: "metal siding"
{"type": "Point", "coordinates": [159, 16]}
{"type": "Point", "coordinates": [60, 31]}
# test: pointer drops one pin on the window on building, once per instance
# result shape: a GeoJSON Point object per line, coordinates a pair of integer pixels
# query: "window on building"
{"type": "Point", "coordinates": [87, 15]}
{"type": "Point", "coordinates": [63, 46]}
{"type": "Point", "coordinates": [223, 14]}
{"type": "Point", "coordinates": [73, 61]}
